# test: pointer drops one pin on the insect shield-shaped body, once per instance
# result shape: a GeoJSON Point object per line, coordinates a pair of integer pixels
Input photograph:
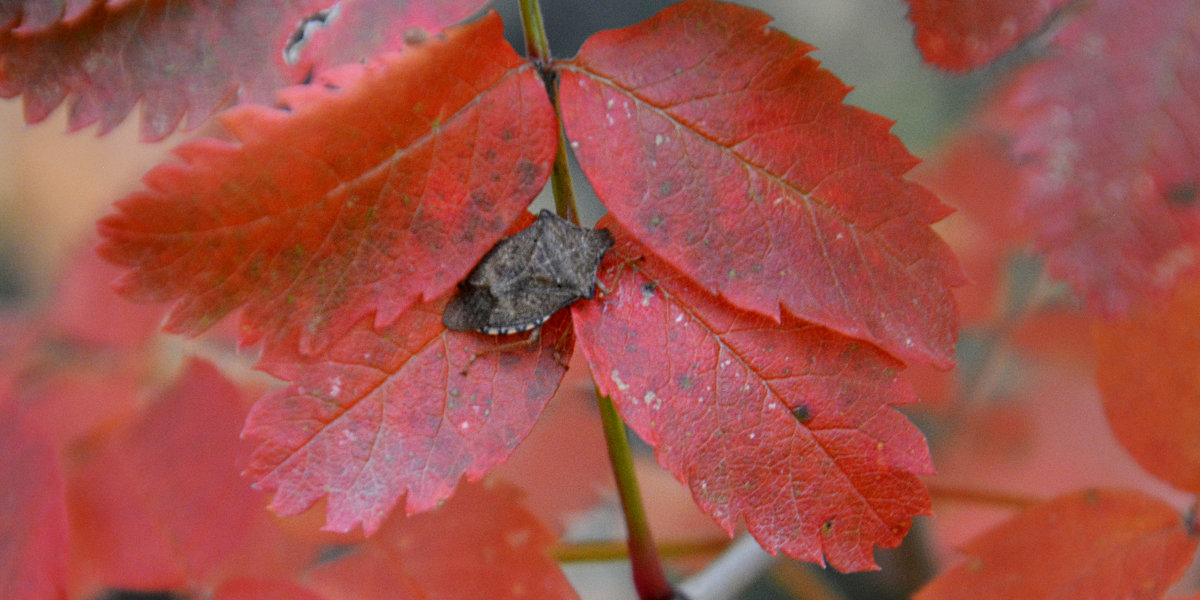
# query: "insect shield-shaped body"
{"type": "Point", "coordinates": [526, 278]}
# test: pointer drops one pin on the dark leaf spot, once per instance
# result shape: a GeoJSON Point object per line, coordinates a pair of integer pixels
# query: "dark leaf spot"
{"type": "Point", "coordinates": [1182, 195]}
{"type": "Point", "coordinates": [415, 35]}
{"type": "Point", "coordinates": [527, 173]}
{"type": "Point", "coordinates": [802, 413]}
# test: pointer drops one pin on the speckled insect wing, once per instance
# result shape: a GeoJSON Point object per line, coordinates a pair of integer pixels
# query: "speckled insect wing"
{"type": "Point", "coordinates": [528, 277]}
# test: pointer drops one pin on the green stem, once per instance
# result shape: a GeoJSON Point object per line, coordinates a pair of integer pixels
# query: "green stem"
{"type": "Point", "coordinates": [648, 577]}
{"type": "Point", "coordinates": [537, 46]}
{"type": "Point", "coordinates": [619, 550]}
{"type": "Point", "coordinates": [560, 175]}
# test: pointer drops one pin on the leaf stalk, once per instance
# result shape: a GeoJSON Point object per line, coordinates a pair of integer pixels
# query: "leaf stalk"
{"type": "Point", "coordinates": [618, 550]}
{"type": "Point", "coordinates": [648, 577]}
{"type": "Point", "coordinates": [537, 47]}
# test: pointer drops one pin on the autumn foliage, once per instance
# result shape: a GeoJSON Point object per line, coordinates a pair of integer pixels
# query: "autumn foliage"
{"type": "Point", "coordinates": [776, 295]}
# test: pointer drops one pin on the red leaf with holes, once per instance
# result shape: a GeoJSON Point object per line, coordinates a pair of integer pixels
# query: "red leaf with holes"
{"type": "Point", "coordinates": [33, 524]}
{"type": "Point", "coordinates": [398, 411]}
{"type": "Point", "coordinates": [1148, 377]}
{"type": "Point", "coordinates": [479, 544]}
{"type": "Point", "coordinates": [728, 152]}
{"type": "Point", "coordinates": [1095, 544]}
{"type": "Point", "coordinates": [1108, 131]}
{"type": "Point", "coordinates": [189, 58]}
{"type": "Point", "coordinates": [789, 425]}
{"type": "Point", "coordinates": [960, 35]}
{"type": "Point", "coordinates": [381, 185]}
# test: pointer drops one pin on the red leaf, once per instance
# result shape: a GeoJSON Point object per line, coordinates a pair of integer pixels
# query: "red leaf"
{"type": "Point", "coordinates": [76, 368]}
{"type": "Point", "coordinates": [86, 310]}
{"type": "Point", "coordinates": [960, 36]}
{"type": "Point", "coordinates": [1108, 130]}
{"type": "Point", "coordinates": [381, 186]}
{"type": "Point", "coordinates": [972, 172]}
{"type": "Point", "coordinates": [24, 16]}
{"type": "Point", "coordinates": [161, 504]}
{"type": "Point", "coordinates": [1150, 385]}
{"type": "Point", "coordinates": [262, 589]}
{"type": "Point", "coordinates": [1041, 433]}
{"type": "Point", "coordinates": [188, 58]}
{"type": "Point", "coordinates": [1091, 545]}
{"type": "Point", "coordinates": [33, 522]}
{"type": "Point", "coordinates": [789, 425]}
{"type": "Point", "coordinates": [18, 344]}
{"type": "Point", "coordinates": [562, 467]}
{"type": "Point", "coordinates": [724, 149]}
{"type": "Point", "coordinates": [389, 412]}
{"type": "Point", "coordinates": [71, 394]}
{"type": "Point", "coordinates": [480, 544]}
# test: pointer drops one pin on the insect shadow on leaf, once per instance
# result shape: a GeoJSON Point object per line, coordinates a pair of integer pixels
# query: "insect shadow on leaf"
{"type": "Point", "coordinates": [526, 278]}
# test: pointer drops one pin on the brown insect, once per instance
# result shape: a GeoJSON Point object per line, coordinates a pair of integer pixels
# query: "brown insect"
{"type": "Point", "coordinates": [529, 276]}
